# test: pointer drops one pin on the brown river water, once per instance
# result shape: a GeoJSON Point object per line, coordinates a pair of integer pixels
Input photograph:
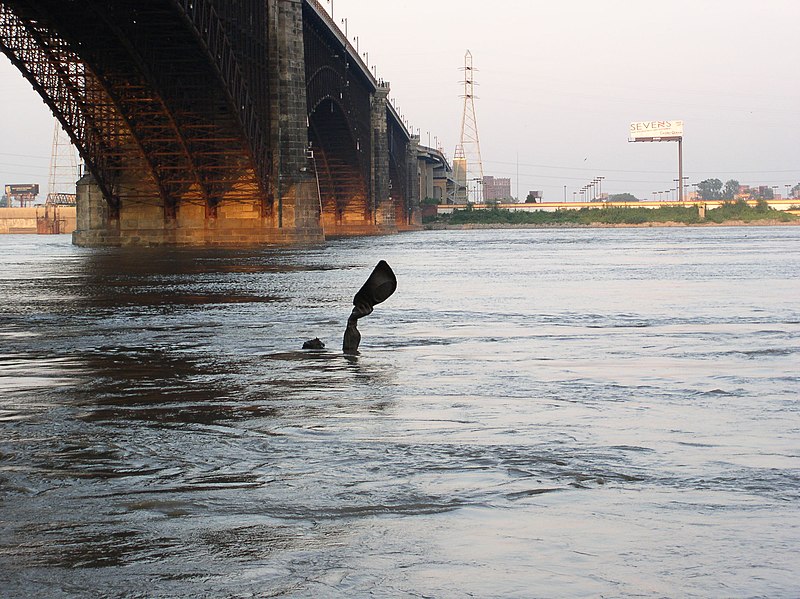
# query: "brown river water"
{"type": "Point", "coordinates": [534, 413]}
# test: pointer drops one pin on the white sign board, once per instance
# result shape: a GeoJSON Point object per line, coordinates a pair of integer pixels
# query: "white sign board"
{"type": "Point", "coordinates": [656, 130]}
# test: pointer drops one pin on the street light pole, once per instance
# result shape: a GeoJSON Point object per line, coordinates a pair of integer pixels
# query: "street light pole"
{"type": "Point", "coordinates": [680, 168]}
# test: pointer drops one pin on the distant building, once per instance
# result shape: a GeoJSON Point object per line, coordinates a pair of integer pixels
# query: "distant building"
{"type": "Point", "coordinates": [495, 189]}
{"type": "Point", "coordinates": [760, 192]}
{"type": "Point", "coordinates": [534, 197]}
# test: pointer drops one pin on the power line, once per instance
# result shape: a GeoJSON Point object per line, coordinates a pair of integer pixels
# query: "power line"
{"type": "Point", "coordinates": [641, 172]}
{"type": "Point", "coordinates": [40, 156]}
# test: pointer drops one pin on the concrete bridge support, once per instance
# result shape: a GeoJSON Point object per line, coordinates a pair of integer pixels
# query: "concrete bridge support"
{"type": "Point", "coordinates": [383, 206]}
{"type": "Point", "coordinates": [95, 225]}
{"type": "Point", "coordinates": [294, 182]}
{"type": "Point", "coordinates": [413, 216]}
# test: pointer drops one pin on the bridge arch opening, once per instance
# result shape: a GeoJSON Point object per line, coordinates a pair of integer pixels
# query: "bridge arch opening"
{"type": "Point", "coordinates": [343, 184]}
{"type": "Point", "coordinates": [397, 192]}
{"type": "Point", "coordinates": [26, 124]}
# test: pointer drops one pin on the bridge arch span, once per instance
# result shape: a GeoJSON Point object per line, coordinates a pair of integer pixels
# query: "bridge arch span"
{"type": "Point", "coordinates": [339, 96]}
{"type": "Point", "coordinates": [341, 168]}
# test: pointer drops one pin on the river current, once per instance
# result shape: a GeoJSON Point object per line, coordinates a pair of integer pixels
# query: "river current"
{"type": "Point", "coordinates": [534, 413]}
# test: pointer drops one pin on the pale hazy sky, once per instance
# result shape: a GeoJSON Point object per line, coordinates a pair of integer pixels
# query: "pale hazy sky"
{"type": "Point", "coordinates": [559, 83]}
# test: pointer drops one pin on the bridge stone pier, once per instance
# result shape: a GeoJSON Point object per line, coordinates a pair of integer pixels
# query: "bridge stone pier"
{"type": "Point", "coordinates": [216, 122]}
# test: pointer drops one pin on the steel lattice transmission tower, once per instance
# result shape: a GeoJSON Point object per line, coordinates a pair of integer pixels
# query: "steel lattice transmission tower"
{"type": "Point", "coordinates": [63, 169]}
{"type": "Point", "coordinates": [467, 161]}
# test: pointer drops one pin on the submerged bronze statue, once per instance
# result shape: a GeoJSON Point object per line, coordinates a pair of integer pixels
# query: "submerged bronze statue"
{"type": "Point", "coordinates": [380, 285]}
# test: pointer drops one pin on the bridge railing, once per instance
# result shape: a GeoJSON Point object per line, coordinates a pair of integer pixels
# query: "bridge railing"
{"type": "Point", "coordinates": [339, 34]}
{"type": "Point", "coordinates": [328, 20]}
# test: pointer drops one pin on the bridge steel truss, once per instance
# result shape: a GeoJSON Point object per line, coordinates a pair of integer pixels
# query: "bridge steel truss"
{"type": "Point", "coordinates": [165, 99]}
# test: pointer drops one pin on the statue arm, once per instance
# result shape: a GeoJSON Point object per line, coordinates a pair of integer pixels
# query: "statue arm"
{"type": "Point", "coordinates": [352, 336]}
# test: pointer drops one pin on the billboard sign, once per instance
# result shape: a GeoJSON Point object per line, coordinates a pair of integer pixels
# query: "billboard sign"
{"type": "Point", "coordinates": [656, 130]}
{"type": "Point", "coordinates": [22, 190]}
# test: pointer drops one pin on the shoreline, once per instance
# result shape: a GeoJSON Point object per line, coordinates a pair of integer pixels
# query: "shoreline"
{"type": "Point", "coordinates": [730, 223]}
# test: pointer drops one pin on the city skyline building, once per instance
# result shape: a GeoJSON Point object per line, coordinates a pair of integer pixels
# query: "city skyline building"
{"type": "Point", "coordinates": [496, 188]}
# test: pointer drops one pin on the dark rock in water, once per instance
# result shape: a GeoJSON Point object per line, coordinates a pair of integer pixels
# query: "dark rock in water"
{"type": "Point", "coordinates": [314, 344]}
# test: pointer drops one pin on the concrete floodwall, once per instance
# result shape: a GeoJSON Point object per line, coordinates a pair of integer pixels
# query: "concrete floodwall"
{"type": "Point", "coordinates": [37, 219]}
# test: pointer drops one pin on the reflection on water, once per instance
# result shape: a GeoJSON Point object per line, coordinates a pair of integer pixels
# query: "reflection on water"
{"type": "Point", "coordinates": [534, 413]}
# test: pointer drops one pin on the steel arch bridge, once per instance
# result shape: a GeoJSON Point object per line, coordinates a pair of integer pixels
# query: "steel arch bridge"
{"type": "Point", "coordinates": [215, 122]}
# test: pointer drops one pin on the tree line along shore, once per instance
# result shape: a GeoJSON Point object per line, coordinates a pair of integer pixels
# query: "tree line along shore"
{"type": "Point", "coordinates": [731, 213]}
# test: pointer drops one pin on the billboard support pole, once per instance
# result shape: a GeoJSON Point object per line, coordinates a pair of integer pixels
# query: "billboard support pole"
{"type": "Point", "coordinates": [680, 169]}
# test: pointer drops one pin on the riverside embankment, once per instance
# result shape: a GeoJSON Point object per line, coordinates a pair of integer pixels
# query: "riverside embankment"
{"type": "Point", "coordinates": [736, 213]}
{"type": "Point", "coordinates": [476, 226]}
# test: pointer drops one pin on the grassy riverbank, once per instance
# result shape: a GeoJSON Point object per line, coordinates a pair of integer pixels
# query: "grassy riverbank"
{"type": "Point", "coordinates": [728, 213]}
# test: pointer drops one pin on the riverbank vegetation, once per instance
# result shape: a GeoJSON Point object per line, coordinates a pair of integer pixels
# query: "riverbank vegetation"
{"type": "Point", "coordinates": [738, 211]}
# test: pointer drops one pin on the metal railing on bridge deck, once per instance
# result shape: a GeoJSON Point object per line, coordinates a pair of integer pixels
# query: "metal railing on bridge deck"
{"type": "Point", "coordinates": [353, 52]}
{"type": "Point", "coordinates": [340, 36]}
